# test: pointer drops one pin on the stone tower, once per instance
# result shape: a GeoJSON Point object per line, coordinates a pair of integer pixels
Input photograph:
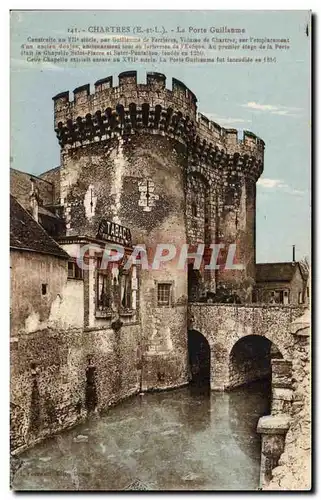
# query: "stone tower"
{"type": "Point", "coordinates": [141, 156]}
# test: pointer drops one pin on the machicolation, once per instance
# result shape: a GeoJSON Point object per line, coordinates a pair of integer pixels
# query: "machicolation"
{"type": "Point", "coordinates": [133, 108]}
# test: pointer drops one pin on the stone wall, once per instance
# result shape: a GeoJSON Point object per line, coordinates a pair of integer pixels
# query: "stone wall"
{"type": "Point", "coordinates": [46, 391]}
{"type": "Point", "coordinates": [30, 307]}
{"type": "Point", "coordinates": [197, 208]}
{"type": "Point", "coordinates": [237, 227]}
{"type": "Point", "coordinates": [53, 176]}
{"type": "Point", "coordinates": [293, 471]}
{"type": "Point", "coordinates": [282, 393]}
{"type": "Point", "coordinates": [57, 377]}
{"type": "Point", "coordinates": [165, 362]}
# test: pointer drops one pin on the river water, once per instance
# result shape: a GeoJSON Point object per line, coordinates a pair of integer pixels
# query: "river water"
{"type": "Point", "coordinates": [185, 439]}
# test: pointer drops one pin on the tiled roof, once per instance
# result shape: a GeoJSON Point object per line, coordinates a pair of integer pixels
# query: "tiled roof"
{"type": "Point", "coordinates": [276, 271]}
{"type": "Point", "coordinates": [20, 187]}
{"type": "Point", "coordinates": [51, 170]}
{"type": "Point", "coordinates": [27, 234]}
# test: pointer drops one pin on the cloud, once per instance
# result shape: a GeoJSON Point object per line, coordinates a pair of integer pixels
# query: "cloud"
{"type": "Point", "coordinates": [270, 183]}
{"type": "Point", "coordinates": [225, 121]}
{"type": "Point", "coordinates": [278, 184]}
{"type": "Point", "coordinates": [260, 107]}
{"type": "Point", "coordinates": [280, 112]}
{"type": "Point", "coordinates": [272, 108]}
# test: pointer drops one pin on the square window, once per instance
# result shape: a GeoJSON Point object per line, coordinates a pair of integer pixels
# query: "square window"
{"type": "Point", "coordinates": [103, 292]}
{"type": "Point", "coordinates": [78, 272]}
{"type": "Point", "coordinates": [74, 271]}
{"type": "Point", "coordinates": [71, 268]}
{"type": "Point", "coordinates": [126, 290]}
{"type": "Point", "coordinates": [164, 294]}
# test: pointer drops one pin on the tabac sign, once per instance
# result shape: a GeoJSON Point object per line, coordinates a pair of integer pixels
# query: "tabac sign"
{"type": "Point", "coordinates": [110, 231]}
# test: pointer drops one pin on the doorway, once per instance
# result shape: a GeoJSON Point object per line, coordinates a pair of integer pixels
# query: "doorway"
{"type": "Point", "coordinates": [199, 359]}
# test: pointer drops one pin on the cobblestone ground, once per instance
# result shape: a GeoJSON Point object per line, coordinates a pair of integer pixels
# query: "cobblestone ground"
{"type": "Point", "coordinates": [186, 439]}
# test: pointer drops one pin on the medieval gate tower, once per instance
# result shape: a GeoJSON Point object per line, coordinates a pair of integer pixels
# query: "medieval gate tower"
{"type": "Point", "coordinates": [142, 156]}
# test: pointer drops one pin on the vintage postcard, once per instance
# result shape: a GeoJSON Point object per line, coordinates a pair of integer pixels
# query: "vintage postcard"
{"type": "Point", "coordinates": [160, 250]}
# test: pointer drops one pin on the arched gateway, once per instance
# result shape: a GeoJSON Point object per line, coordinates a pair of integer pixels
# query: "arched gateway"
{"type": "Point", "coordinates": [250, 360]}
{"type": "Point", "coordinates": [244, 340]}
{"type": "Point", "coordinates": [199, 358]}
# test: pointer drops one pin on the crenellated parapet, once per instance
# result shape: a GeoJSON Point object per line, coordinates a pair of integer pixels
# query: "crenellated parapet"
{"type": "Point", "coordinates": [106, 96]}
{"type": "Point", "coordinates": [132, 108]}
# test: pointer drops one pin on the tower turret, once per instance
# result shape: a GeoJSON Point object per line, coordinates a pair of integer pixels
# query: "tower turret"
{"type": "Point", "coordinates": [140, 155]}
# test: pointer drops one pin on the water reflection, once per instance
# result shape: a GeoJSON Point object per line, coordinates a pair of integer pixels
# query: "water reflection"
{"type": "Point", "coordinates": [199, 358]}
{"type": "Point", "coordinates": [196, 410]}
{"type": "Point", "coordinates": [186, 439]}
{"type": "Point", "coordinates": [243, 417]}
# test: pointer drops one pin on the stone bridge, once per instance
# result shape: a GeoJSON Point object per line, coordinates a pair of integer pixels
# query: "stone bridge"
{"type": "Point", "coordinates": [246, 342]}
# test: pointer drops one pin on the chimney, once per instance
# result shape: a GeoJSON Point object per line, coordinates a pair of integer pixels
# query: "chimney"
{"type": "Point", "coordinates": [293, 254]}
{"type": "Point", "coordinates": [34, 200]}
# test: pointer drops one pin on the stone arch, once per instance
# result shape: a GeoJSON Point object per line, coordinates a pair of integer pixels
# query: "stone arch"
{"type": "Point", "coordinates": [250, 360]}
{"type": "Point", "coordinates": [199, 352]}
{"type": "Point", "coordinates": [224, 324]}
{"type": "Point", "coordinates": [235, 336]}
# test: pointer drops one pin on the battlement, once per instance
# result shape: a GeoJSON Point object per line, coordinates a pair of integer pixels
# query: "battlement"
{"type": "Point", "coordinates": [227, 138]}
{"type": "Point", "coordinates": [128, 90]}
{"type": "Point", "coordinates": [131, 106]}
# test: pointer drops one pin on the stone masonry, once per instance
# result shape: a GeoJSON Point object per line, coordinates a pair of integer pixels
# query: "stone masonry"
{"type": "Point", "coordinates": [203, 178]}
{"type": "Point", "coordinates": [142, 157]}
{"type": "Point", "coordinates": [293, 471]}
{"type": "Point", "coordinates": [226, 325]}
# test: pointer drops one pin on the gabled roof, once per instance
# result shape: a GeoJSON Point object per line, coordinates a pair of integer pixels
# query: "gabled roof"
{"type": "Point", "coordinates": [50, 171]}
{"type": "Point", "coordinates": [20, 187]}
{"type": "Point", "coordinates": [33, 176]}
{"type": "Point", "coordinates": [276, 271]}
{"type": "Point", "coordinates": [27, 234]}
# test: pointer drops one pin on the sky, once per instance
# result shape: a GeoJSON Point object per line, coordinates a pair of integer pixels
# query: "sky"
{"type": "Point", "coordinates": [271, 100]}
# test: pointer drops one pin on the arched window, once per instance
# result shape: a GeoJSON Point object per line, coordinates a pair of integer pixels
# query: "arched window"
{"type": "Point", "coordinates": [126, 289]}
{"type": "Point", "coordinates": [103, 291]}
